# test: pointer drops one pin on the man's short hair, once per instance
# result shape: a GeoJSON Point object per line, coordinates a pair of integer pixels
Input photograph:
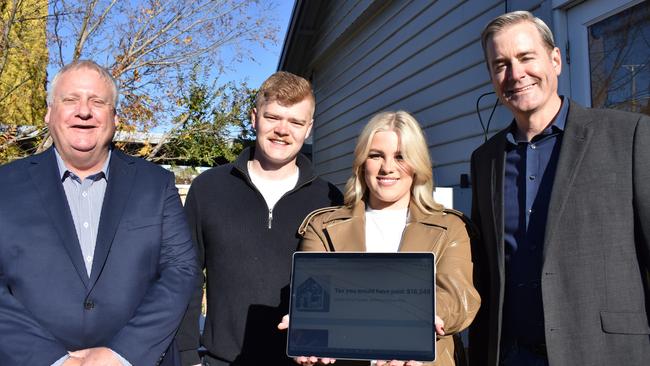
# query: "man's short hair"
{"type": "Point", "coordinates": [88, 65]}
{"type": "Point", "coordinates": [508, 19]}
{"type": "Point", "coordinates": [285, 88]}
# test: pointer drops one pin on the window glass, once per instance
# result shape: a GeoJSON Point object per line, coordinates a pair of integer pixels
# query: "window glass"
{"type": "Point", "coordinates": [619, 55]}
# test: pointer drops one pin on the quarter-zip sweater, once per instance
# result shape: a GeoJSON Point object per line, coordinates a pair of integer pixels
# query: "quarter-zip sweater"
{"type": "Point", "coordinates": [246, 250]}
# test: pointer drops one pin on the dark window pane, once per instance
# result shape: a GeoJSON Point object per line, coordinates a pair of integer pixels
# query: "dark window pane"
{"type": "Point", "coordinates": [619, 54]}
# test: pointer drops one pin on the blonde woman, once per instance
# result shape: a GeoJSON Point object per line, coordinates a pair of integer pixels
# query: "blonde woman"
{"type": "Point", "coordinates": [389, 207]}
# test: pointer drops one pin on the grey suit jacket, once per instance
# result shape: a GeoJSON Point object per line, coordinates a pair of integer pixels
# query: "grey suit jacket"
{"type": "Point", "coordinates": [596, 248]}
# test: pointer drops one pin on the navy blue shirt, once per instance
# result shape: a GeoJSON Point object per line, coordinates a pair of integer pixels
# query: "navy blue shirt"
{"type": "Point", "coordinates": [529, 174]}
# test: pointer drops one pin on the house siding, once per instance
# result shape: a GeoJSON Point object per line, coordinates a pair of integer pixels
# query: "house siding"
{"type": "Point", "coordinates": [420, 56]}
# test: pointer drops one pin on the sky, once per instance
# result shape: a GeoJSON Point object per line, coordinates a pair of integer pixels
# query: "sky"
{"type": "Point", "coordinates": [253, 70]}
{"type": "Point", "coordinates": [267, 59]}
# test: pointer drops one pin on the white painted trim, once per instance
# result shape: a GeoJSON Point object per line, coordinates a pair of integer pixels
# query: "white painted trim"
{"type": "Point", "coordinates": [564, 4]}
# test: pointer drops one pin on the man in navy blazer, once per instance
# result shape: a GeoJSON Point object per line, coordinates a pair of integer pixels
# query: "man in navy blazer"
{"type": "Point", "coordinates": [96, 260]}
{"type": "Point", "coordinates": [562, 201]}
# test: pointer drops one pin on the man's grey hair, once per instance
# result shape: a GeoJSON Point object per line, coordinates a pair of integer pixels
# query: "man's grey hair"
{"type": "Point", "coordinates": [505, 20]}
{"type": "Point", "coordinates": [88, 65]}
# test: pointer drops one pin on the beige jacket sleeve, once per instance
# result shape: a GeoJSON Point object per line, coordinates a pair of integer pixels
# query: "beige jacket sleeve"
{"type": "Point", "coordinates": [457, 299]}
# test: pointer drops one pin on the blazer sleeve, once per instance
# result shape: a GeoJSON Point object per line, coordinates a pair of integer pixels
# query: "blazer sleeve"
{"type": "Point", "coordinates": [24, 340]}
{"type": "Point", "coordinates": [149, 332]}
{"type": "Point", "coordinates": [188, 337]}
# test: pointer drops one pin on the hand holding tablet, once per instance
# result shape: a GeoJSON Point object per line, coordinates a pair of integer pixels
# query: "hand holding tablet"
{"type": "Point", "coordinates": [312, 360]}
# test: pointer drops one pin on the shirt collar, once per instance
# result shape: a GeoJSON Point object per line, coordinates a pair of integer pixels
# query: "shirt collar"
{"type": "Point", "coordinates": [64, 171]}
{"type": "Point", "coordinates": [556, 127]}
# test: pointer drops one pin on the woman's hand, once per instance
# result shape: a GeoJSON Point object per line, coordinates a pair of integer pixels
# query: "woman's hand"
{"type": "Point", "coordinates": [285, 323]}
{"type": "Point", "coordinates": [398, 363]}
{"type": "Point", "coordinates": [313, 360]}
{"type": "Point", "coordinates": [440, 326]}
{"type": "Point", "coordinates": [305, 360]}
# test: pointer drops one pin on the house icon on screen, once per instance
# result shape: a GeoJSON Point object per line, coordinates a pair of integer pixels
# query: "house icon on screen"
{"type": "Point", "coordinates": [311, 296]}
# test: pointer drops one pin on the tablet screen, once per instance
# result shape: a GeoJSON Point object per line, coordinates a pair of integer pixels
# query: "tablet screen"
{"type": "Point", "coordinates": [362, 306]}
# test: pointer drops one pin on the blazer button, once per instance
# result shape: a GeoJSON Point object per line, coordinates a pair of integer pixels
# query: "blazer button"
{"type": "Point", "coordinates": [88, 304]}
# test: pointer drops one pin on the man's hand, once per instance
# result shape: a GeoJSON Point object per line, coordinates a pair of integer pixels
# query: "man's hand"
{"type": "Point", "coordinates": [99, 356]}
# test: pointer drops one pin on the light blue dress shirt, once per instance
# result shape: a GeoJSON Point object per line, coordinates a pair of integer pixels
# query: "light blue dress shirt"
{"type": "Point", "coordinates": [85, 199]}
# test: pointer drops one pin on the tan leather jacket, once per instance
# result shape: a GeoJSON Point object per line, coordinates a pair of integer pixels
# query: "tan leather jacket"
{"type": "Point", "coordinates": [443, 233]}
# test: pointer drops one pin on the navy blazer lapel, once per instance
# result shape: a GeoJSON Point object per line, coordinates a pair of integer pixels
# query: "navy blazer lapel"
{"type": "Point", "coordinates": [44, 171]}
{"type": "Point", "coordinates": [118, 190]}
{"type": "Point", "coordinates": [575, 140]}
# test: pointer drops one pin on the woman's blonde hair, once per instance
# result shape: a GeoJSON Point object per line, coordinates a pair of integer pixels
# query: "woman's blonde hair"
{"type": "Point", "coordinates": [414, 151]}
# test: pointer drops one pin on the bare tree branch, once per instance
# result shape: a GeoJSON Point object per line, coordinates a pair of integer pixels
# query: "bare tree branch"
{"type": "Point", "coordinates": [150, 46]}
{"type": "Point", "coordinates": [14, 88]}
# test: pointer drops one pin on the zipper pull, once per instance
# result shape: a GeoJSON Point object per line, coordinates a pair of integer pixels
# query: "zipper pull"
{"type": "Point", "coordinates": [270, 218]}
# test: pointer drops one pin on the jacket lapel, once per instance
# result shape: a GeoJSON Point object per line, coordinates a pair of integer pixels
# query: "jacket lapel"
{"type": "Point", "coordinates": [44, 172]}
{"type": "Point", "coordinates": [497, 172]}
{"type": "Point", "coordinates": [575, 140]}
{"type": "Point", "coordinates": [418, 235]}
{"type": "Point", "coordinates": [118, 190]}
{"type": "Point", "coordinates": [347, 232]}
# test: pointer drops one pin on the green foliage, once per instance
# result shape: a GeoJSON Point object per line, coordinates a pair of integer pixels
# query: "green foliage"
{"type": "Point", "coordinates": [214, 125]}
{"type": "Point", "coordinates": [23, 60]}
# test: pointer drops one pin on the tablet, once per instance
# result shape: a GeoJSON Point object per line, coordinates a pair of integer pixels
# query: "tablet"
{"type": "Point", "coordinates": [362, 306]}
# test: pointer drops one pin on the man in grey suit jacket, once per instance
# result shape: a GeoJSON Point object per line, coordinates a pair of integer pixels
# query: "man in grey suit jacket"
{"type": "Point", "coordinates": [562, 201]}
